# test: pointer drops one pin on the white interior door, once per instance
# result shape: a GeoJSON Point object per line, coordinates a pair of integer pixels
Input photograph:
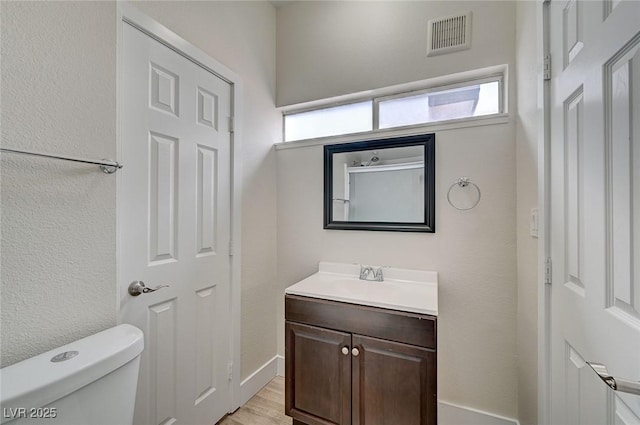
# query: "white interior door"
{"type": "Point", "coordinates": [174, 215]}
{"type": "Point", "coordinates": [595, 209]}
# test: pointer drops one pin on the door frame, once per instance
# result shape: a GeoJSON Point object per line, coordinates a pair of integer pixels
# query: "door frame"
{"type": "Point", "coordinates": [544, 208]}
{"type": "Point", "coordinates": [129, 14]}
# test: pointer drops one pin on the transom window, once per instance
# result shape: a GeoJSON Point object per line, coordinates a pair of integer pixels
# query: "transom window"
{"type": "Point", "coordinates": [464, 100]}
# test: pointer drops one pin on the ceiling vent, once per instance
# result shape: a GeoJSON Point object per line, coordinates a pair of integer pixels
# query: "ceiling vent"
{"type": "Point", "coordinates": [450, 34]}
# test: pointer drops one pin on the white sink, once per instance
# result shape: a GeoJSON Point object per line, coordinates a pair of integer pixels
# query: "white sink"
{"type": "Point", "coordinates": [403, 289]}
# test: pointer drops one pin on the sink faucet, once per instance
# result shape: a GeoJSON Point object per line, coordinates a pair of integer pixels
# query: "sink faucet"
{"type": "Point", "coordinates": [376, 274]}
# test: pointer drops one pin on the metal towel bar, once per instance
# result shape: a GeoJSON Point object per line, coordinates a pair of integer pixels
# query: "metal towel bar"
{"type": "Point", "coordinates": [614, 382]}
{"type": "Point", "coordinates": [106, 165]}
{"type": "Point", "coordinates": [464, 182]}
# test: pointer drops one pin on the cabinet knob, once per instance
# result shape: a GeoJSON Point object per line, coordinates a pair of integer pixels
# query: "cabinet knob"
{"type": "Point", "coordinates": [355, 352]}
{"type": "Point", "coordinates": [345, 350]}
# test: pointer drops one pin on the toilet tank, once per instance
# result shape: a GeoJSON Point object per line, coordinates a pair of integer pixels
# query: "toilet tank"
{"type": "Point", "coordinates": [91, 381]}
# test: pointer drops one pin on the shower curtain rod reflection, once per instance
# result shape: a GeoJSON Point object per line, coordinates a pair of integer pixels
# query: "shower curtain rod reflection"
{"type": "Point", "coordinates": [106, 165]}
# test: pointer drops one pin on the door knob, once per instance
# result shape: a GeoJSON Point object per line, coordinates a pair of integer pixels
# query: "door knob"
{"type": "Point", "coordinates": [616, 384]}
{"type": "Point", "coordinates": [345, 350]}
{"type": "Point", "coordinates": [355, 352]}
{"type": "Point", "coordinates": [138, 287]}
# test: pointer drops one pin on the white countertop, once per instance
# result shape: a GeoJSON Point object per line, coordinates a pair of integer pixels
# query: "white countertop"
{"type": "Point", "coordinates": [402, 289]}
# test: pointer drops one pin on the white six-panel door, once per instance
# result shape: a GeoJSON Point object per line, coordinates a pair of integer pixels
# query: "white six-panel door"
{"type": "Point", "coordinates": [595, 209]}
{"type": "Point", "coordinates": [174, 229]}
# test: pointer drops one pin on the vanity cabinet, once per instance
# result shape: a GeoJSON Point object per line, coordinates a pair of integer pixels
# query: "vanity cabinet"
{"type": "Point", "coordinates": [351, 364]}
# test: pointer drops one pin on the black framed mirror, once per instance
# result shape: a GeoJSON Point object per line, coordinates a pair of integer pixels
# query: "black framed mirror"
{"type": "Point", "coordinates": [381, 184]}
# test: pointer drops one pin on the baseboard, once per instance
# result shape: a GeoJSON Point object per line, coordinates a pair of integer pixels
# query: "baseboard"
{"type": "Point", "coordinates": [452, 414]}
{"type": "Point", "coordinates": [280, 365]}
{"type": "Point", "coordinates": [258, 379]}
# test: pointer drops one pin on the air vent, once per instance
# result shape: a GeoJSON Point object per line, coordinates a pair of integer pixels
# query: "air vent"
{"type": "Point", "coordinates": [450, 34]}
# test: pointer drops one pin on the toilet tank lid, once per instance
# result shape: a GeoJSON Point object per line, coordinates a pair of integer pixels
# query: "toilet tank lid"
{"type": "Point", "coordinates": [38, 381]}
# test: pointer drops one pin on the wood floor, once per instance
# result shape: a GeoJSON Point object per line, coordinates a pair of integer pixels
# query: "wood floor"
{"type": "Point", "coordinates": [265, 408]}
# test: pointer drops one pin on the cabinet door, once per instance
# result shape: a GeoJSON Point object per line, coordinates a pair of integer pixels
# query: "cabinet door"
{"type": "Point", "coordinates": [393, 383]}
{"type": "Point", "coordinates": [318, 375]}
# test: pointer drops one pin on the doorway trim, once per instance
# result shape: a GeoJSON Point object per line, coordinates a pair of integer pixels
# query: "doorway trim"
{"type": "Point", "coordinates": [544, 208]}
{"type": "Point", "coordinates": [129, 14]}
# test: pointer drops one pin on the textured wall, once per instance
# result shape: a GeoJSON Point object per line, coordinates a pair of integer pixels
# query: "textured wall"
{"type": "Point", "coordinates": [527, 57]}
{"type": "Point", "coordinates": [58, 219]}
{"type": "Point", "coordinates": [474, 253]}
{"type": "Point", "coordinates": [241, 35]}
{"type": "Point", "coordinates": [335, 48]}
{"type": "Point", "coordinates": [58, 87]}
{"type": "Point", "coordinates": [330, 48]}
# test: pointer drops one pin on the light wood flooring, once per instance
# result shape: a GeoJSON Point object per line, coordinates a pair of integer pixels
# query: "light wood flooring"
{"type": "Point", "coordinates": [265, 408]}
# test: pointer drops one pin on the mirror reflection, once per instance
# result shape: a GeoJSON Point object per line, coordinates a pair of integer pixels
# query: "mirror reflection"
{"type": "Point", "coordinates": [381, 184]}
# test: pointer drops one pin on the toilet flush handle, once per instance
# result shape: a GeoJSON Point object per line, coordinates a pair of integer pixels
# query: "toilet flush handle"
{"type": "Point", "coordinates": [138, 287]}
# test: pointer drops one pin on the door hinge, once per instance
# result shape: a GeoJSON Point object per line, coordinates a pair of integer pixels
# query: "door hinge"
{"type": "Point", "coordinates": [546, 67]}
{"type": "Point", "coordinates": [230, 371]}
{"type": "Point", "coordinates": [231, 125]}
{"type": "Point", "coordinates": [547, 270]}
{"type": "Point", "coordinates": [230, 247]}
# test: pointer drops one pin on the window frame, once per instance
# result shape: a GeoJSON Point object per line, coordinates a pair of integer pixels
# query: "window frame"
{"type": "Point", "coordinates": [489, 79]}
{"type": "Point", "coordinates": [320, 108]}
{"type": "Point", "coordinates": [497, 76]}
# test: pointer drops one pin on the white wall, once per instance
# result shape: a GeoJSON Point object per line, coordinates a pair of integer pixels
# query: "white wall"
{"type": "Point", "coordinates": [58, 219]}
{"type": "Point", "coordinates": [338, 48]}
{"type": "Point", "coordinates": [330, 48]}
{"type": "Point", "coordinates": [527, 58]}
{"type": "Point", "coordinates": [473, 252]}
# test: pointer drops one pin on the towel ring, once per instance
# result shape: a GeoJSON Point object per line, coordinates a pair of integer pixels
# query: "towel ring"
{"type": "Point", "coordinates": [463, 182]}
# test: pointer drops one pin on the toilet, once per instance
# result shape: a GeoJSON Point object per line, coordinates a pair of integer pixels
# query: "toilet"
{"type": "Point", "coordinates": [91, 381]}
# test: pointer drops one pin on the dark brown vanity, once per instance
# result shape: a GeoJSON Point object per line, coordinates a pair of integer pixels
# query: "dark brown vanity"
{"type": "Point", "coordinates": [354, 364]}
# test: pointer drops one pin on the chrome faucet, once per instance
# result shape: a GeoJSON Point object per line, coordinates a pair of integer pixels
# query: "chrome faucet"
{"type": "Point", "coordinates": [376, 274]}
